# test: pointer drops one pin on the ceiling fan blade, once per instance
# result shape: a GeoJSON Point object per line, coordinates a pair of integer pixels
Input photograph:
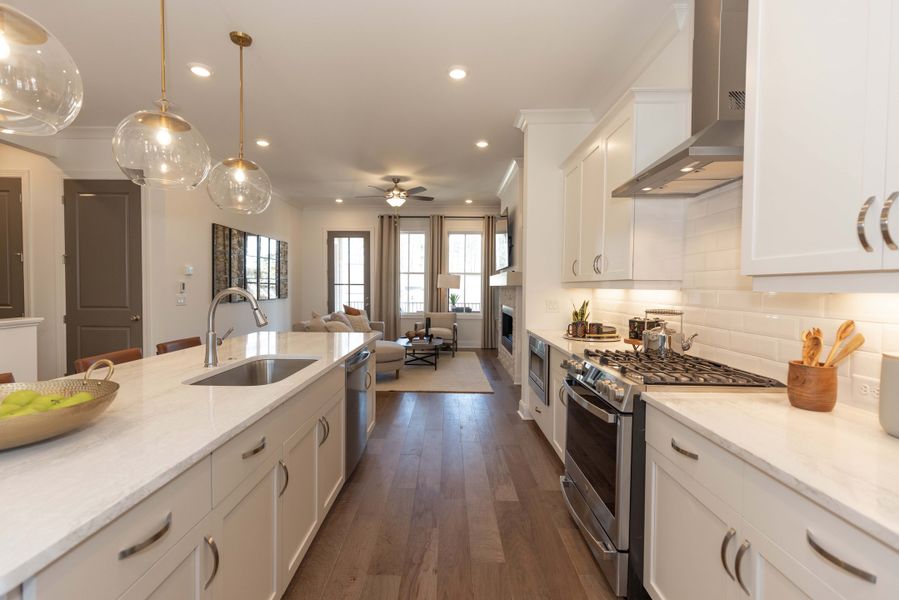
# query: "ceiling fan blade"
{"type": "Point", "coordinates": [415, 190]}
{"type": "Point", "coordinates": [381, 197]}
{"type": "Point", "coordinates": [422, 198]}
{"type": "Point", "coordinates": [379, 189]}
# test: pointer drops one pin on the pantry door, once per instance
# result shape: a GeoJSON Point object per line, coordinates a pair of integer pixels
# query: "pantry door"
{"type": "Point", "coordinates": [103, 268]}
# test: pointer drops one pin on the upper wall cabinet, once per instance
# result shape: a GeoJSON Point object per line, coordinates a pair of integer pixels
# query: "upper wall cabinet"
{"type": "Point", "coordinates": [822, 144]}
{"type": "Point", "coordinates": [624, 242]}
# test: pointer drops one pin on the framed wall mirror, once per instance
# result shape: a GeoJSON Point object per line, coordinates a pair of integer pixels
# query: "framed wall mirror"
{"type": "Point", "coordinates": [248, 260]}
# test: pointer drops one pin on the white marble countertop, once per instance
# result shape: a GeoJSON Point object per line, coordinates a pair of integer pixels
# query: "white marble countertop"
{"type": "Point", "coordinates": [55, 494]}
{"type": "Point", "coordinates": [842, 460]}
{"type": "Point", "coordinates": [557, 339]}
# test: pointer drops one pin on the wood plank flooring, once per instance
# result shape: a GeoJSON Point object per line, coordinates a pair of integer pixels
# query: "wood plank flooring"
{"type": "Point", "coordinates": [455, 497]}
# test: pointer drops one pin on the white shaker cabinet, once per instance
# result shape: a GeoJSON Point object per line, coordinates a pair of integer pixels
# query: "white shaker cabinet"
{"type": "Point", "coordinates": [299, 502]}
{"type": "Point", "coordinates": [331, 458]}
{"type": "Point", "coordinates": [624, 242]}
{"type": "Point", "coordinates": [822, 147]}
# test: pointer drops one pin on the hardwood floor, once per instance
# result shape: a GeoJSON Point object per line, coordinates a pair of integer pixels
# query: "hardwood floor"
{"type": "Point", "coordinates": [455, 497]}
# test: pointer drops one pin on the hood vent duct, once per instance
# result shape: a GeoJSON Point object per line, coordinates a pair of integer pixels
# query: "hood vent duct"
{"type": "Point", "coordinates": [713, 156]}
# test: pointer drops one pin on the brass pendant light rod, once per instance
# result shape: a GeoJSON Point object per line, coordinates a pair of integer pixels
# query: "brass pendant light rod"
{"type": "Point", "coordinates": [242, 40]}
{"type": "Point", "coordinates": [163, 103]}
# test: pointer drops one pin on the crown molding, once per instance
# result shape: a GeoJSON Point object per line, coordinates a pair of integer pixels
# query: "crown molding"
{"type": "Point", "coordinates": [516, 164]}
{"type": "Point", "coordinates": [552, 116]}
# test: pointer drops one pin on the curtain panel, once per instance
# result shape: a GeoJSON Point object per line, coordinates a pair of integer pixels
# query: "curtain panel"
{"type": "Point", "coordinates": [389, 284]}
{"type": "Point", "coordinates": [488, 310]}
{"type": "Point", "coordinates": [437, 299]}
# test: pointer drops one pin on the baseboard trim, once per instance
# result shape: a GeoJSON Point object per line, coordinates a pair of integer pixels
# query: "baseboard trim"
{"type": "Point", "coordinates": [524, 411]}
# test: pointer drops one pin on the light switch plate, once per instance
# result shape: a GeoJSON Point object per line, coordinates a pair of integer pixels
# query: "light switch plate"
{"type": "Point", "coordinates": [552, 306]}
{"type": "Point", "coordinates": [180, 300]}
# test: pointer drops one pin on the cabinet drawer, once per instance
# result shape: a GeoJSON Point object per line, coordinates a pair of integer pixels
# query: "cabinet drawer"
{"type": "Point", "coordinates": [709, 464]}
{"type": "Point", "coordinates": [237, 459]}
{"type": "Point", "coordinates": [788, 518]}
{"type": "Point", "coordinates": [106, 564]}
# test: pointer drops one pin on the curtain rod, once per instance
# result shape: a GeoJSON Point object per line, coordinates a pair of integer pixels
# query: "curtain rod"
{"type": "Point", "coordinates": [444, 216]}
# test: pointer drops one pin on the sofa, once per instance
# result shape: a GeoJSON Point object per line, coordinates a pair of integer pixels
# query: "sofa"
{"type": "Point", "coordinates": [389, 356]}
{"type": "Point", "coordinates": [443, 325]}
{"type": "Point", "coordinates": [376, 326]}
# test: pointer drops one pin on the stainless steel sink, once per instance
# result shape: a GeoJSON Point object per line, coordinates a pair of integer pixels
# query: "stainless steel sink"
{"type": "Point", "coordinates": [262, 371]}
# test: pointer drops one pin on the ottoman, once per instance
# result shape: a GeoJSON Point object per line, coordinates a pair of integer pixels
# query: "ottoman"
{"type": "Point", "coordinates": [390, 356]}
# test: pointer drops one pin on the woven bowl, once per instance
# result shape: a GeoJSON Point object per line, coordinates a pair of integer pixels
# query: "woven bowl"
{"type": "Point", "coordinates": [19, 431]}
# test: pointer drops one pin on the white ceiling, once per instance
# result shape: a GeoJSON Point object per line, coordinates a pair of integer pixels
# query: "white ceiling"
{"type": "Point", "coordinates": [349, 91]}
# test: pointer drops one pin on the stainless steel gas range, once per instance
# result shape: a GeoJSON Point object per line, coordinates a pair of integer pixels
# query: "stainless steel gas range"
{"type": "Point", "coordinates": [605, 454]}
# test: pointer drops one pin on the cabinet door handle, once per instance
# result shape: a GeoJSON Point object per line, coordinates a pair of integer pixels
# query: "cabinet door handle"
{"type": "Point", "coordinates": [537, 408]}
{"type": "Point", "coordinates": [286, 477]}
{"type": "Point", "coordinates": [367, 380]}
{"type": "Point", "coordinates": [860, 224]}
{"type": "Point", "coordinates": [321, 422]}
{"type": "Point", "coordinates": [210, 541]}
{"type": "Point", "coordinates": [885, 221]}
{"type": "Point", "coordinates": [595, 260]}
{"type": "Point", "coordinates": [724, 543]}
{"type": "Point", "coordinates": [254, 450]}
{"type": "Point", "coordinates": [573, 265]}
{"type": "Point", "coordinates": [562, 395]}
{"type": "Point", "coordinates": [827, 555]}
{"type": "Point", "coordinates": [141, 546]}
{"type": "Point", "coordinates": [739, 561]}
{"type": "Point", "coordinates": [680, 450]}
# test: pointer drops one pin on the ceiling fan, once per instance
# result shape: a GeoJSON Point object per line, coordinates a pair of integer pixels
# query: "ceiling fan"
{"type": "Point", "coordinates": [397, 196]}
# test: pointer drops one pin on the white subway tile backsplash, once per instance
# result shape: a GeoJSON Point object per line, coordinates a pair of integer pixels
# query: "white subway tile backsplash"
{"type": "Point", "coordinates": [756, 345]}
{"type": "Point", "coordinates": [778, 326]}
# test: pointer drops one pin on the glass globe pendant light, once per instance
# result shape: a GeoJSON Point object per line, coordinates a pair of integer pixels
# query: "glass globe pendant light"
{"type": "Point", "coordinates": [157, 148]}
{"type": "Point", "coordinates": [239, 185]}
{"type": "Point", "coordinates": [40, 86]}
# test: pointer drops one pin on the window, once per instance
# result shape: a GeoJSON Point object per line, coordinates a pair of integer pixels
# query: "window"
{"type": "Point", "coordinates": [465, 259]}
{"type": "Point", "coordinates": [262, 267]}
{"type": "Point", "coordinates": [348, 275]}
{"type": "Point", "coordinates": [412, 271]}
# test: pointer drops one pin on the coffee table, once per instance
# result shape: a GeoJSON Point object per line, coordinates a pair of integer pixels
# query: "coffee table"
{"type": "Point", "coordinates": [422, 353]}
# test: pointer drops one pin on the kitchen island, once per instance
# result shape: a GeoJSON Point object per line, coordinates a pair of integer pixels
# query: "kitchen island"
{"type": "Point", "coordinates": [161, 435]}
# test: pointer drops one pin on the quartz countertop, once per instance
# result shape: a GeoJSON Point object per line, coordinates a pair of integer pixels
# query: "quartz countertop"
{"type": "Point", "coordinates": [55, 494]}
{"type": "Point", "coordinates": [842, 460]}
{"type": "Point", "coordinates": [557, 340]}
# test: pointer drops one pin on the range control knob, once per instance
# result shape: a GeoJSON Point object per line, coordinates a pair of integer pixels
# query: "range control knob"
{"type": "Point", "coordinates": [575, 366]}
{"type": "Point", "coordinates": [605, 389]}
{"type": "Point", "coordinates": [618, 392]}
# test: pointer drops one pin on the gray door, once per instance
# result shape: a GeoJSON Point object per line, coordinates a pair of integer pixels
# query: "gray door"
{"type": "Point", "coordinates": [348, 270]}
{"type": "Point", "coordinates": [12, 266]}
{"type": "Point", "coordinates": [103, 267]}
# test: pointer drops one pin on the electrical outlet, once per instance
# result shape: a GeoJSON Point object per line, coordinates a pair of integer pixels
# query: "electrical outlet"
{"type": "Point", "coordinates": [552, 306]}
{"type": "Point", "coordinates": [865, 392]}
{"type": "Point", "coordinates": [180, 300]}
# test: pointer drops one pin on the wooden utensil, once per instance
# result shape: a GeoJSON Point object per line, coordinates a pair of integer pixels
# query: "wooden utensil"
{"type": "Point", "coordinates": [843, 332]}
{"type": "Point", "coordinates": [851, 346]}
{"type": "Point", "coordinates": [812, 351]}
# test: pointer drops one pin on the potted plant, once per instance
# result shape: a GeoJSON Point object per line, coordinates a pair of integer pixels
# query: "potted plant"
{"type": "Point", "coordinates": [454, 299]}
{"type": "Point", "coordinates": [579, 316]}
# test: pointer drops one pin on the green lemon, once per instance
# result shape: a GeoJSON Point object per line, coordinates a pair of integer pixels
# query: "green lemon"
{"type": "Point", "coordinates": [7, 409]}
{"type": "Point", "coordinates": [21, 397]}
{"type": "Point", "coordinates": [79, 398]}
{"type": "Point", "coordinates": [43, 403]}
{"type": "Point", "coordinates": [24, 411]}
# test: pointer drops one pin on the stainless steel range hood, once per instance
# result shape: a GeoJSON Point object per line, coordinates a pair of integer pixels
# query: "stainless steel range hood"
{"type": "Point", "coordinates": [713, 157]}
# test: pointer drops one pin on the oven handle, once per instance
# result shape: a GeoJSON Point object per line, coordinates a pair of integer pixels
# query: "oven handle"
{"type": "Point", "coordinates": [598, 544]}
{"type": "Point", "coordinates": [591, 408]}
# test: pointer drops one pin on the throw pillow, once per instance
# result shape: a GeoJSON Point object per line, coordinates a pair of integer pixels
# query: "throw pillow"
{"type": "Point", "coordinates": [316, 324]}
{"type": "Point", "coordinates": [352, 311]}
{"type": "Point", "coordinates": [359, 323]}
{"type": "Point", "coordinates": [336, 327]}
{"type": "Point", "coordinates": [342, 317]}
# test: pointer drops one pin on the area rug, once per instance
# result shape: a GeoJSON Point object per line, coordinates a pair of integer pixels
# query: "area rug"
{"type": "Point", "coordinates": [461, 374]}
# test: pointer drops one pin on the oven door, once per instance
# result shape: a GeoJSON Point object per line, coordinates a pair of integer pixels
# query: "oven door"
{"type": "Point", "coordinates": [598, 458]}
{"type": "Point", "coordinates": [538, 368]}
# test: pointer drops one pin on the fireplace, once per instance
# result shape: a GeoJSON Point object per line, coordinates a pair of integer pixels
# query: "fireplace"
{"type": "Point", "coordinates": [506, 330]}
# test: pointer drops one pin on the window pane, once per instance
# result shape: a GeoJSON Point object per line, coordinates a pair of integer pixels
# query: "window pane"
{"type": "Point", "coordinates": [272, 248]}
{"type": "Point", "coordinates": [417, 253]}
{"type": "Point", "coordinates": [473, 291]}
{"type": "Point", "coordinates": [263, 246]}
{"type": "Point", "coordinates": [473, 253]}
{"type": "Point", "coordinates": [251, 287]}
{"type": "Point", "coordinates": [252, 243]}
{"type": "Point", "coordinates": [456, 252]}
{"type": "Point", "coordinates": [357, 261]}
{"type": "Point", "coordinates": [404, 252]}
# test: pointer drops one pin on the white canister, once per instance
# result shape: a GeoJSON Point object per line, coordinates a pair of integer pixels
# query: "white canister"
{"type": "Point", "coordinates": [889, 393]}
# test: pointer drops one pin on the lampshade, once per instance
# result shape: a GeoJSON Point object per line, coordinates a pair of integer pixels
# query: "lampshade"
{"type": "Point", "coordinates": [445, 281]}
{"type": "Point", "coordinates": [40, 86]}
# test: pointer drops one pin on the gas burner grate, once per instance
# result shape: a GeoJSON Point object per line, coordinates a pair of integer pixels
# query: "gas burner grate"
{"type": "Point", "coordinates": [677, 369]}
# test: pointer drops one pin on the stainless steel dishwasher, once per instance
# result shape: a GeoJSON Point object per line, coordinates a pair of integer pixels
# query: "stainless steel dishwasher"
{"type": "Point", "coordinates": [358, 380]}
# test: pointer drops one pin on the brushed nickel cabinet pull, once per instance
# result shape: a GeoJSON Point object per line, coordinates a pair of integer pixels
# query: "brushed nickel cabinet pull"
{"type": "Point", "coordinates": [595, 260]}
{"type": "Point", "coordinates": [573, 265]}
{"type": "Point", "coordinates": [724, 543]}
{"type": "Point", "coordinates": [286, 477]}
{"type": "Point", "coordinates": [885, 221]}
{"type": "Point", "coordinates": [600, 265]}
{"type": "Point", "coordinates": [830, 557]}
{"type": "Point", "coordinates": [537, 408]}
{"type": "Point", "coordinates": [141, 546]}
{"type": "Point", "coordinates": [680, 450]}
{"type": "Point", "coordinates": [210, 541]}
{"type": "Point", "coordinates": [562, 395]}
{"type": "Point", "coordinates": [367, 380]}
{"type": "Point", "coordinates": [327, 428]}
{"type": "Point", "coordinates": [860, 224]}
{"type": "Point", "coordinates": [739, 561]}
{"type": "Point", "coordinates": [254, 450]}
{"type": "Point", "coordinates": [321, 422]}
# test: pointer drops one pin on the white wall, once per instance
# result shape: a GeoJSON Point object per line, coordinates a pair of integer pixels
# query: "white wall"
{"type": "Point", "coordinates": [758, 331]}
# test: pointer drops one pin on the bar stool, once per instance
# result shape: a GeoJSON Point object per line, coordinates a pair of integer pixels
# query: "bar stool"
{"type": "Point", "coordinates": [7, 378]}
{"type": "Point", "coordinates": [118, 357]}
{"type": "Point", "coordinates": [174, 345]}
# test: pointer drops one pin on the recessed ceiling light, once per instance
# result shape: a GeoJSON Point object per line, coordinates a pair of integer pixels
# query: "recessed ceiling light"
{"type": "Point", "coordinates": [7, 131]}
{"type": "Point", "coordinates": [338, 200]}
{"type": "Point", "coordinates": [647, 189]}
{"type": "Point", "coordinates": [468, 201]}
{"type": "Point", "coordinates": [263, 143]}
{"type": "Point", "coordinates": [200, 70]}
{"type": "Point", "coordinates": [458, 73]}
{"type": "Point", "coordinates": [481, 144]}
{"type": "Point", "coordinates": [686, 169]}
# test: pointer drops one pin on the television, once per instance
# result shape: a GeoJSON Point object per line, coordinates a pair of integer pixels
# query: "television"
{"type": "Point", "coordinates": [503, 241]}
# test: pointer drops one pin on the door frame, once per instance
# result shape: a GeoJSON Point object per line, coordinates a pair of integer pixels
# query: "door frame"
{"type": "Point", "coordinates": [22, 176]}
{"type": "Point", "coordinates": [369, 262]}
